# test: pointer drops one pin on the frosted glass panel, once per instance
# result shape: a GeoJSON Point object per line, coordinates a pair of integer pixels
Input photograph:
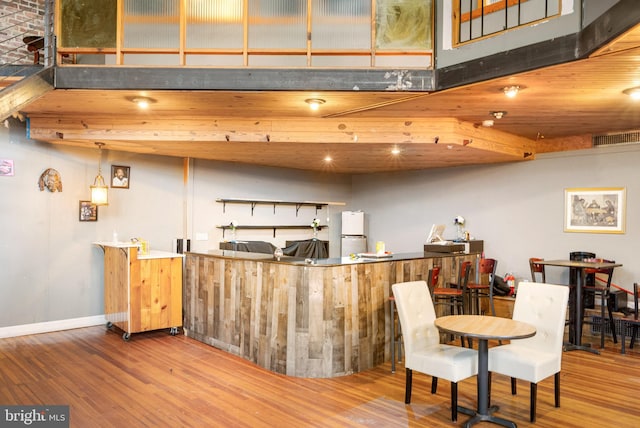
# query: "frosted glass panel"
{"type": "Point", "coordinates": [404, 24]}
{"type": "Point", "coordinates": [216, 60]}
{"type": "Point", "coordinates": [339, 24]}
{"type": "Point", "coordinates": [152, 24]}
{"type": "Point", "coordinates": [214, 24]}
{"type": "Point", "coordinates": [277, 61]}
{"type": "Point", "coordinates": [278, 24]}
{"type": "Point", "coordinates": [340, 61]}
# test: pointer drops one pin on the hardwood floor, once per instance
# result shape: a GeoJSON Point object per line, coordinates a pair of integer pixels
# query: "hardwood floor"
{"type": "Point", "coordinates": [158, 380]}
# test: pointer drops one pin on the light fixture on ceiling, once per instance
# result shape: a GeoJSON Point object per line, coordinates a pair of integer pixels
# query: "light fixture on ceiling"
{"type": "Point", "coordinates": [487, 123]}
{"type": "Point", "coordinates": [498, 114]}
{"type": "Point", "coordinates": [314, 103]}
{"type": "Point", "coordinates": [511, 91]}
{"type": "Point", "coordinates": [328, 158]}
{"type": "Point", "coordinates": [634, 93]}
{"type": "Point", "coordinates": [143, 102]}
{"type": "Point", "coordinates": [395, 150]}
{"type": "Point", "coordinates": [99, 190]}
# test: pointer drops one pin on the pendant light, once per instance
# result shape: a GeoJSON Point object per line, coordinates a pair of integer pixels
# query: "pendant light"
{"type": "Point", "coordinates": [99, 190]}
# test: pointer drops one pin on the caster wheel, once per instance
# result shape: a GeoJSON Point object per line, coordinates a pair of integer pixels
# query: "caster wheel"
{"type": "Point", "coordinates": [109, 325]}
{"type": "Point", "coordinates": [126, 337]}
{"type": "Point", "coordinates": [173, 331]}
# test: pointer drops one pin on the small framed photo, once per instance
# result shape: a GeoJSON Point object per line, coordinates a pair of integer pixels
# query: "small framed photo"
{"type": "Point", "coordinates": [595, 210]}
{"type": "Point", "coordinates": [120, 176]}
{"type": "Point", "coordinates": [88, 211]}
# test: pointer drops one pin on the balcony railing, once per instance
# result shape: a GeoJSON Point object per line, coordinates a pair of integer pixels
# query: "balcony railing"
{"type": "Point", "coordinates": [478, 19]}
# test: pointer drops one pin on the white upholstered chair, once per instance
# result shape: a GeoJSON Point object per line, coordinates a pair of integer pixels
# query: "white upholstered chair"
{"type": "Point", "coordinates": [423, 350]}
{"type": "Point", "coordinates": [538, 357]}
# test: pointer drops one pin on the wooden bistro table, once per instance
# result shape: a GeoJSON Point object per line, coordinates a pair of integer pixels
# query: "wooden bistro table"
{"type": "Point", "coordinates": [577, 308]}
{"type": "Point", "coordinates": [484, 328]}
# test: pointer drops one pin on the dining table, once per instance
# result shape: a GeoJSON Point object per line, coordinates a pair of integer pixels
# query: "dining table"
{"type": "Point", "coordinates": [577, 308]}
{"type": "Point", "coordinates": [484, 328]}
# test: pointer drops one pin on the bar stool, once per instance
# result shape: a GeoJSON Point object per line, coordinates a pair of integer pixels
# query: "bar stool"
{"type": "Point", "coordinates": [396, 339]}
{"type": "Point", "coordinates": [453, 295]}
{"type": "Point", "coordinates": [537, 269]}
{"type": "Point", "coordinates": [601, 288]}
{"type": "Point", "coordinates": [478, 291]}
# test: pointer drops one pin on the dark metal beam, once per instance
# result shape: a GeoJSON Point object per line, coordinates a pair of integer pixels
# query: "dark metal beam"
{"type": "Point", "coordinates": [106, 77]}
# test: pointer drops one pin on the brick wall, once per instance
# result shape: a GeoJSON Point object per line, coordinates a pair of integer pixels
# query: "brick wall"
{"type": "Point", "coordinates": [19, 18]}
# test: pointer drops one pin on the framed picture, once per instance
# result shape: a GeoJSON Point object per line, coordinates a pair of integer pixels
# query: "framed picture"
{"type": "Point", "coordinates": [120, 176]}
{"type": "Point", "coordinates": [88, 211]}
{"type": "Point", "coordinates": [595, 210]}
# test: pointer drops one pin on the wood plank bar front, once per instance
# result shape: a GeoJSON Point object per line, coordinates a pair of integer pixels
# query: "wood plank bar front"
{"type": "Point", "coordinates": [326, 319]}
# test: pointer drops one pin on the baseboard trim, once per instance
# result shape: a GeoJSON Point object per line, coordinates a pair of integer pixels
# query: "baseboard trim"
{"type": "Point", "coordinates": [50, 326]}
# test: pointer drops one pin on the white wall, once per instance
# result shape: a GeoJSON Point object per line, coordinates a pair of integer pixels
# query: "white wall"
{"type": "Point", "coordinates": [517, 209]}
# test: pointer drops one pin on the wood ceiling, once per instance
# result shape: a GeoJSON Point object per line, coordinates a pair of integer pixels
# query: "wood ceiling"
{"type": "Point", "coordinates": [558, 108]}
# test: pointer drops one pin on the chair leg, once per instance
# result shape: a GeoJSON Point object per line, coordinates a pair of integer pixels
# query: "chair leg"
{"type": "Point", "coordinates": [513, 386]}
{"type": "Point", "coordinates": [393, 335]}
{"type": "Point", "coordinates": [634, 333]}
{"type": "Point", "coordinates": [533, 399]}
{"type": "Point", "coordinates": [611, 322]}
{"type": "Point", "coordinates": [557, 388]}
{"type": "Point", "coordinates": [407, 386]}
{"type": "Point", "coordinates": [623, 327]}
{"type": "Point", "coordinates": [454, 401]}
{"type": "Point", "coordinates": [434, 384]}
{"type": "Point", "coordinates": [602, 303]}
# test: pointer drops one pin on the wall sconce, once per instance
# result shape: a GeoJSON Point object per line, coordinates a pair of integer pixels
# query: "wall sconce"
{"type": "Point", "coordinates": [314, 103]}
{"type": "Point", "coordinates": [511, 91]}
{"type": "Point", "coordinates": [99, 190]}
{"type": "Point", "coordinates": [634, 93]}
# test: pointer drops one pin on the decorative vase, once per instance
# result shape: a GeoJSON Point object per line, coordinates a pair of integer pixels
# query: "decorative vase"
{"type": "Point", "coordinates": [461, 234]}
{"type": "Point", "coordinates": [315, 233]}
{"type": "Point", "coordinates": [233, 235]}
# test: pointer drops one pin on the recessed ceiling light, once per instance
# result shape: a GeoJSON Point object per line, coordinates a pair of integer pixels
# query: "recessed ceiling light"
{"type": "Point", "coordinates": [487, 123]}
{"type": "Point", "coordinates": [511, 91]}
{"type": "Point", "coordinates": [395, 150]}
{"type": "Point", "coordinates": [314, 103]}
{"type": "Point", "coordinates": [143, 102]}
{"type": "Point", "coordinates": [328, 158]}
{"type": "Point", "coordinates": [634, 93]}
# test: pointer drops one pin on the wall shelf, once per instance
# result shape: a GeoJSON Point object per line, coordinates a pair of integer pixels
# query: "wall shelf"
{"type": "Point", "coordinates": [297, 204]}
{"type": "Point", "coordinates": [254, 227]}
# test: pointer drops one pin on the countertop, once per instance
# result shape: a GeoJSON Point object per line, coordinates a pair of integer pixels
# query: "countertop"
{"type": "Point", "coordinates": [153, 254]}
{"type": "Point", "coordinates": [331, 261]}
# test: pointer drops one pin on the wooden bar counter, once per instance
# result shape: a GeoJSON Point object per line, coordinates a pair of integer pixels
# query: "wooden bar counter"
{"type": "Point", "coordinates": [321, 319]}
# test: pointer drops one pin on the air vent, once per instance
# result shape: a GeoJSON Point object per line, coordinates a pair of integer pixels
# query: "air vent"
{"type": "Point", "coordinates": [632, 137]}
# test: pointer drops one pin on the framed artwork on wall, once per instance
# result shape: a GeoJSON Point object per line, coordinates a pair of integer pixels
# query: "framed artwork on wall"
{"type": "Point", "coordinates": [595, 210]}
{"type": "Point", "coordinates": [88, 211]}
{"type": "Point", "coordinates": [120, 176]}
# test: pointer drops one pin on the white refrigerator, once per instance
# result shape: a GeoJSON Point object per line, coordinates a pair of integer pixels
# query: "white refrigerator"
{"type": "Point", "coordinates": [353, 239]}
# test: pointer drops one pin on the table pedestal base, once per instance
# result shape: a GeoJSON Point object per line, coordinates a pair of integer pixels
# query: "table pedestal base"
{"type": "Point", "coordinates": [572, 347]}
{"type": "Point", "coordinates": [477, 417]}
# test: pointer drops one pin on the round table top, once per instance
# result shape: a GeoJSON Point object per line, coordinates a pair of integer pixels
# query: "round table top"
{"type": "Point", "coordinates": [485, 327]}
